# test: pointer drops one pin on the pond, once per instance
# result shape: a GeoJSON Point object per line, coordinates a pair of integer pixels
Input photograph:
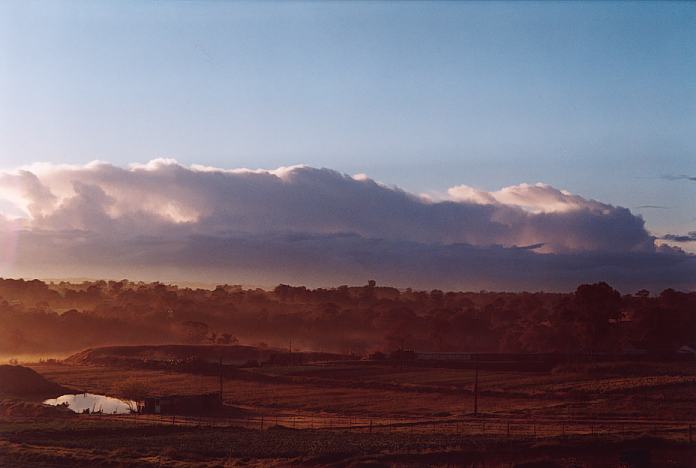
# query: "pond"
{"type": "Point", "coordinates": [82, 402]}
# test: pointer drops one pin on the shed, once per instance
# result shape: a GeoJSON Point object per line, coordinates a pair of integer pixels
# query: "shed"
{"type": "Point", "coordinates": [181, 404]}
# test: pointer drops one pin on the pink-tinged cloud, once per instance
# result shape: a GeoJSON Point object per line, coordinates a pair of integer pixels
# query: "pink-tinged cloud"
{"type": "Point", "coordinates": [318, 225]}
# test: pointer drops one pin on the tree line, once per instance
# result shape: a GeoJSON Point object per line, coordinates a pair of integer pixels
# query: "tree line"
{"type": "Point", "coordinates": [37, 317]}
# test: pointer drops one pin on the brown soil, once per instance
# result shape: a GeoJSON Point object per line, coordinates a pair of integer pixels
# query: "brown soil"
{"type": "Point", "coordinates": [23, 382]}
{"type": "Point", "coordinates": [18, 409]}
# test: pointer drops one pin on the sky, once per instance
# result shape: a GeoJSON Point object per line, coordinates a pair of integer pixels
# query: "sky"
{"type": "Point", "coordinates": [593, 98]}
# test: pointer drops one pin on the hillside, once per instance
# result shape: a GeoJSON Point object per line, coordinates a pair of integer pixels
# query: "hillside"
{"type": "Point", "coordinates": [22, 382]}
{"type": "Point", "coordinates": [231, 355]}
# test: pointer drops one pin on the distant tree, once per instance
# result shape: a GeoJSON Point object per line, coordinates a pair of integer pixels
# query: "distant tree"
{"type": "Point", "coordinates": [194, 332]}
{"type": "Point", "coordinates": [220, 292]}
{"type": "Point", "coordinates": [227, 339]}
{"type": "Point", "coordinates": [13, 340]}
{"type": "Point", "coordinates": [598, 308]}
{"type": "Point", "coordinates": [664, 323]}
{"type": "Point", "coordinates": [437, 296]}
{"type": "Point", "coordinates": [133, 392]}
{"type": "Point", "coordinates": [282, 291]}
{"type": "Point", "coordinates": [643, 293]}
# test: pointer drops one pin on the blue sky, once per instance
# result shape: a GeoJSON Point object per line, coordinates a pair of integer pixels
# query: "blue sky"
{"type": "Point", "coordinates": [597, 98]}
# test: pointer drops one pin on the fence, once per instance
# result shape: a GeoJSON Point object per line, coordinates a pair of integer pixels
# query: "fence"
{"type": "Point", "coordinates": [481, 427]}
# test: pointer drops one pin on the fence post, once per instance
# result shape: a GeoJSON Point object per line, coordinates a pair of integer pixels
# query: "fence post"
{"type": "Point", "coordinates": [508, 429]}
{"type": "Point", "coordinates": [262, 422]}
{"type": "Point", "coordinates": [370, 426]}
{"type": "Point", "coordinates": [691, 440]}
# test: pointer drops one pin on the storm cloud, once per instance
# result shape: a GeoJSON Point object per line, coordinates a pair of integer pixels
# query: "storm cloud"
{"type": "Point", "coordinates": [162, 220]}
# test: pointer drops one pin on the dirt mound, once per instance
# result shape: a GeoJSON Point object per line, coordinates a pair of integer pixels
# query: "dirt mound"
{"type": "Point", "coordinates": [230, 354]}
{"type": "Point", "coordinates": [238, 355]}
{"type": "Point", "coordinates": [19, 381]}
{"type": "Point", "coordinates": [28, 409]}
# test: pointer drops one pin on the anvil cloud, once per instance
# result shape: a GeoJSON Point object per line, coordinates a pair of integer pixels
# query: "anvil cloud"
{"type": "Point", "coordinates": [300, 224]}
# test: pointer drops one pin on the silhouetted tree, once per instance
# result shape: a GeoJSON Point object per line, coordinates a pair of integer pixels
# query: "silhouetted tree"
{"type": "Point", "coordinates": [598, 308]}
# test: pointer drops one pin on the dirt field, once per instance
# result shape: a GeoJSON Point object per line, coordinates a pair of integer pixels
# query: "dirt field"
{"type": "Point", "coordinates": [660, 392]}
{"type": "Point", "coordinates": [104, 442]}
{"type": "Point", "coordinates": [357, 414]}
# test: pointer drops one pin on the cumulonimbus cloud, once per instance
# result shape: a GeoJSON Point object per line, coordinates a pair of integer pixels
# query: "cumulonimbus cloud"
{"type": "Point", "coordinates": [163, 216]}
{"type": "Point", "coordinates": [163, 197]}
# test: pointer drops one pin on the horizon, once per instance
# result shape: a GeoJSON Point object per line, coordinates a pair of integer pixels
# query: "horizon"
{"type": "Point", "coordinates": [271, 287]}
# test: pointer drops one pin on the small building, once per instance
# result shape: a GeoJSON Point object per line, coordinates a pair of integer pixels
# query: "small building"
{"type": "Point", "coordinates": [181, 404]}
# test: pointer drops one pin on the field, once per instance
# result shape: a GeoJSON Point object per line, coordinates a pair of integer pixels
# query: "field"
{"type": "Point", "coordinates": [355, 413]}
{"type": "Point", "coordinates": [109, 443]}
{"type": "Point", "coordinates": [645, 391]}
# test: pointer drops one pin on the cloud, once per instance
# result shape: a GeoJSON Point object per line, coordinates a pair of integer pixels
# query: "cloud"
{"type": "Point", "coordinates": [330, 260]}
{"type": "Point", "coordinates": [162, 197]}
{"type": "Point", "coordinates": [679, 177]}
{"type": "Point", "coordinates": [538, 198]}
{"type": "Point", "coordinates": [167, 221]}
{"type": "Point", "coordinates": [689, 237]}
{"type": "Point", "coordinates": [26, 191]}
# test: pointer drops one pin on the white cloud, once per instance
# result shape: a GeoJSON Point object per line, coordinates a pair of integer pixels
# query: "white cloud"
{"type": "Point", "coordinates": [162, 214]}
{"type": "Point", "coordinates": [144, 198]}
{"type": "Point", "coordinates": [537, 198]}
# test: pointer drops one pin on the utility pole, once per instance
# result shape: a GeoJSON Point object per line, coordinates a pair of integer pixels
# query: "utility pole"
{"type": "Point", "coordinates": [220, 369]}
{"type": "Point", "coordinates": [402, 355]}
{"type": "Point", "coordinates": [476, 389]}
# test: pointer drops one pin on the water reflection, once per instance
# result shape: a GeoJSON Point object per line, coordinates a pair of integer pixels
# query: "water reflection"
{"type": "Point", "coordinates": [89, 402]}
